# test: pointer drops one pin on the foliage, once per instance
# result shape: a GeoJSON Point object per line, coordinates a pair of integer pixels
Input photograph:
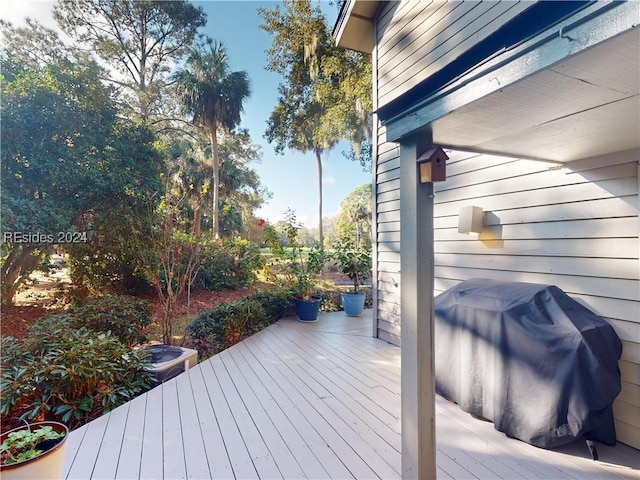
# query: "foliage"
{"type": "Point", "coordinates": [122, 316]}
{"type": "Point", "coordinates": [68, 375]}
{"type": "Point", "coordinates": [110, 259]}
{"type": "Point", "coordinates": [362, 154]}
{"type": "Point", "coordinates": [69, 163]}
{"type": "Point", "coordinates": [225, 324]}
{"type": "Point", "coordinates": [172, 261]}
{"type": "Point", "coordinates": [295, 122]}
{"type": "Point", "coordinates": [326, 95]}
{"type": "Point", "coordinates": [241, 192]}
{"type": "Point", "coordinates": [139, 39]}
{"type": "Point", "coordinates": [32, 46]}
{"type": "Point", "coordinates": [343, 87]}
{"type": "Point", "coordinates": [25, 444]}
{"type": "Point", "coordinates": [354, 220]}
{"type": "Point", "coordinates": [229, 264]}
{"type": "Point", "coordinates": [292, 265]}
{"type": "Point", "coordinates": [214, 96]}
{"type": "Point", "coordinates": [354, 261]}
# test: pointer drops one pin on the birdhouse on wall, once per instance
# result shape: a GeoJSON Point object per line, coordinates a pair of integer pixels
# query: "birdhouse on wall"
{"type": "Point", "coordinates": [433, 165]}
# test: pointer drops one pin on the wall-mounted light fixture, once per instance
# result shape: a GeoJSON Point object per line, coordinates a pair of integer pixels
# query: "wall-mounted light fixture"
{"type": "Point", "coordinates": [470, 220]}
{"type": "Point", "coordinates": [432, 164]}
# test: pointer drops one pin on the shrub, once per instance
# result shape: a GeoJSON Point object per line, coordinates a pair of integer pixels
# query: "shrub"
{"type": "Point", "coordinates": [293, 265]}
{"type": "Point", "coordinates": [276, 302]}
{"type": "Point", "coordinates": [125, 317]}
{"type": "Point", "coordinates": [68, 375]}
{"type": "Point", "coordinates": [230, 264]}
{"type": "Point", "coordinates": [224, 325]}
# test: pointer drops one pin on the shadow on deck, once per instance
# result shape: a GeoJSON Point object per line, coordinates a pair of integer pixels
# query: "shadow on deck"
{"type": "Point", "coordinates": [297, 401]}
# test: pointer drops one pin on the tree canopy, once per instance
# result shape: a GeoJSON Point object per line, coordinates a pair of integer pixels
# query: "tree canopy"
{"type": "Point", "coordinates": [326, 93]}
{"type": "Point", "coordinates": [65, 156]}
{"type": "Point", "coordinates": [215, 97]}
{"type": "Point", "coordinates": [140, 39]}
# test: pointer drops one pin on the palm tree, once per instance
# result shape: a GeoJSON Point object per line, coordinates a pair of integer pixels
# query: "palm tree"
{"type": "Point", "coordinates": [214, 96]}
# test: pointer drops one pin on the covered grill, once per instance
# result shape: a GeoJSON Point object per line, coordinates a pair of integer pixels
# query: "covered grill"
{"type": "Point", "coordinates": [529, 358]}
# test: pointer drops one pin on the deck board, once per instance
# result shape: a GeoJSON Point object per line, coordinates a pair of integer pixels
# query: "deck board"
{"type": "Point", "coordinates": [214, 445]}
{"type": "Point", "coordinates": [296, 459]}
{"type": "Point", "coordinates": [241, 462]}
{"type": "Point", "coordinates": [131, 447]}
{"type": "Point", "coordinates": [307, 401]}
{"type": "Point", "coordinates": [283, 393]}
{"type": "Point", "coordinates": [151, 460]}
{"type": "Point", "coordinates": [112, 442]}
{"type": "Point", "coordinates": [195, 456]}
{"type": "Point", "coordinates": [173, 453]}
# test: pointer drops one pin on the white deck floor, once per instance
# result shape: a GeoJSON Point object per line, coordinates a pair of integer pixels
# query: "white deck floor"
{"type": "Point", "coordinates": [307, 401]}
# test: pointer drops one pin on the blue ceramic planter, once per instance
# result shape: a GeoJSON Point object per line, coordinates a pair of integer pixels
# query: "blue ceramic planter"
{"type": "Point", "coordinates": [308, 309]}
{"type": "Point", "coordinates": [353, 303]}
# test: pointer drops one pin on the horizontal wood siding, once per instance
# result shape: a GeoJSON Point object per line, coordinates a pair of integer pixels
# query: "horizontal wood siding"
{"type": "Point", "coordinates": [574, 225]}
{"type": "Point", "coordinates": [387, 231]}
{"type": "Point", "coordinates": [417, 38]}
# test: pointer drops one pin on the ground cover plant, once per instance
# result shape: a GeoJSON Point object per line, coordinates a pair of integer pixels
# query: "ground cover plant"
{"type": "Point", "coordinates": [67, 375]}
{"type": "Point", "coordinates": [123, 316]}
{"type": "Point", "coordinates": [74, 365]}
{"type": "Point", "coordinates": [217, 328]}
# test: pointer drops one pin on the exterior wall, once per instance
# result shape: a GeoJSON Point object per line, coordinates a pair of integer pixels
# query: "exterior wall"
{"type": "Point", "coordinates": [387, 236]}
{"type": "Point", "coordinates": [416, 38]}
{"type": "Point", "coordinates": [573, 225]}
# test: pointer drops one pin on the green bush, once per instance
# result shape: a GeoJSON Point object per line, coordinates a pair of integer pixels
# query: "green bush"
{"type": "Point", "coordinates": [277, 302]}
{"type": "Point", "coordinates": [230, 264]}
{"type": "Point", "coordinates": [125, 317]}
{"type": "Point", "coordinates": [71, 375]}
{"type": "Point", "coordinates": [221, 326]}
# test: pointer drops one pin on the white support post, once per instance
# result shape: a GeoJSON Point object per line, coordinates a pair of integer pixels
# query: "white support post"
{"type": "Point", "coordinates": [416, 256]}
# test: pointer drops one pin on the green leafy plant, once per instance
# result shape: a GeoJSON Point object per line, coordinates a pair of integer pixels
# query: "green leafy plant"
{"type": "Point", "coordinates": [68, 375]}
{"type": "Point", "coordinates": [354, 261]}
{"type": "Point", "coordinates": [292, 265]}
{"type": "Point", "coordinates": [26, 443]}
{"type": "Point", "coordinates": [221, 326]}
{"type": "Point", "coordinates": [124, 316]}
{"type": "Point", "coordinates": [228, 264]}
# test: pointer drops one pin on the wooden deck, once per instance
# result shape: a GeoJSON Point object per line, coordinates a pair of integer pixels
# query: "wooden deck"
{"type": "Point", "coordinates": [306, 401]}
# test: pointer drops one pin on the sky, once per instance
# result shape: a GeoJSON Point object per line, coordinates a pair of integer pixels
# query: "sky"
{"type": "Point", "coordinates": [292, 178]}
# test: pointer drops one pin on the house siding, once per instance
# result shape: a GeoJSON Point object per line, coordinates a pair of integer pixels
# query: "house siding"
{"type": "Point", "coordinates": [416, 38]}
{"type": "Point", "coordinates": [387, 235]}
{"type": "Point", "coordinates": [574, 225]}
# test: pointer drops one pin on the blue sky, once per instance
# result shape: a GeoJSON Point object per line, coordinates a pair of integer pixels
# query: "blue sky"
{"type": "Point", "coordinates": [292, 178]}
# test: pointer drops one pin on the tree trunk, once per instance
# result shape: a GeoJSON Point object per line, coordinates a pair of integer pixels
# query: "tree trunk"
{"type": "Point", "coordinates": [215, 163]}
{"type": "Point", "coordinates": [317, 151]}
{"type": "Point", "coordinates": [16, 268]}
{"type": "Point", "coordinates": [197, 219]}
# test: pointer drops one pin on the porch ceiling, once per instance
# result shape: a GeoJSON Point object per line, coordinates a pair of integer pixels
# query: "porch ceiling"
{"type": "Point", "coordinates": [586, 105]}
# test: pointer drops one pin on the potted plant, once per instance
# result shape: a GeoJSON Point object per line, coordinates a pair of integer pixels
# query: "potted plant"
{"type": "Point", "coordinates": [35, 451]}
{"type": "Point", "coordinates": [355, 262]}
{"type": "Point", "coordinates": [295, 266]}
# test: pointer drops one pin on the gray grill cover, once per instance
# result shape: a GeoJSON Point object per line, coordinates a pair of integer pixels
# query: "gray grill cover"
{"type": "Point", "coordinates": [540, 366]}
